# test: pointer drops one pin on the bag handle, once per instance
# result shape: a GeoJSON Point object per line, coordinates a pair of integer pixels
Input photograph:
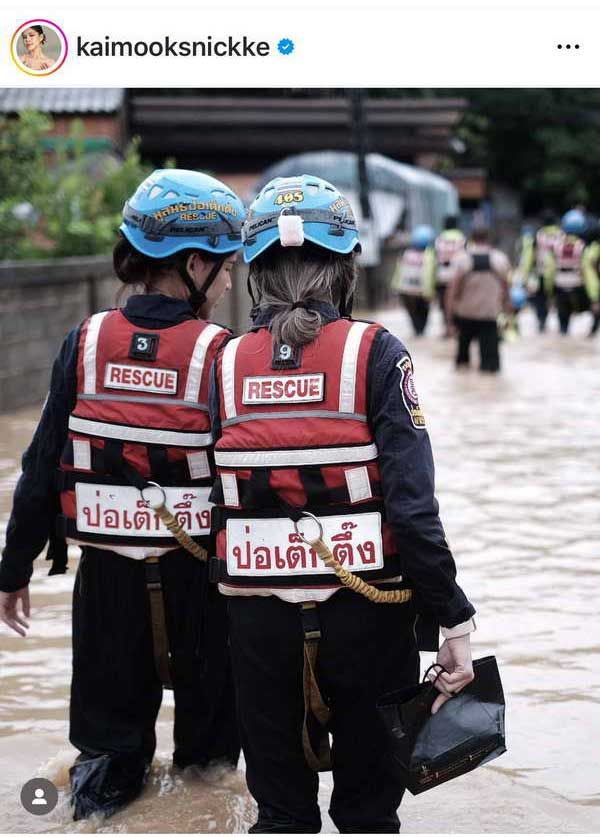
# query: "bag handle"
{"type": "Point", "coordinates": [441, 671]}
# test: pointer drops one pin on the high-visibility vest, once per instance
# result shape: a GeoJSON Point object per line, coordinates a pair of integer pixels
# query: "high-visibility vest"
{"type": "Point", "coordinates": [141, 404]}
{"type": "Point", "coordinates": [545, 241]}
{"type": "Point", "coordinates": [410, 277]}
{"type": "Point", "coordinates": [295, 435]}
{"type": "Point", "coordinates": [448, 245]}
{"type": "Point", "coordinates": [568, 252]}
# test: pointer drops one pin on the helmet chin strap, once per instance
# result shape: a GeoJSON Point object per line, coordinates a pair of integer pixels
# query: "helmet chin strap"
{"type": "Point", "coordinates": [197, 296]}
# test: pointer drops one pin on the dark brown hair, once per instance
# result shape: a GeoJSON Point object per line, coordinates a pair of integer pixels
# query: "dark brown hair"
{"type": "Point", "coordinates": [136, 270]}
{"type": "Point", "coordinates": [40, 31]}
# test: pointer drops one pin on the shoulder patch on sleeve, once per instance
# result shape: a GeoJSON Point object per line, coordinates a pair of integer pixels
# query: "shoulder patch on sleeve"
{"type": "Point", "coordinates": [409, 393]}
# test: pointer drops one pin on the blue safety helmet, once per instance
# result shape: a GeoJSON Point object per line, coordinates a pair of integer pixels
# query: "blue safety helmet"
{"type": "Point", "coordinates": [422, 237]}
{"type": "Point", "coordinates": [176, 209]}
{"type": "Point", "coordinates": [573, 222]}
{"type": "Point", "coordinates": [291, 210]}
{"type": "Point", "coordinates": [518, 297]}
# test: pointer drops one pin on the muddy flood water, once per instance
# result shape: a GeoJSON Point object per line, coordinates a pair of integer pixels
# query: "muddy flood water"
{"type": "Point", "coordinates": [518, 480]}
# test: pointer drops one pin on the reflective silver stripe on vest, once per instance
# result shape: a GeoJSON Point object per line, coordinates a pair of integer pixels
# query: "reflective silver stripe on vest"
{"type": "Point", "coordinates": [299, 414]}
{"type": "Point", "coordinates": [228, 375]}
{"type": "Point", "coordinates": [144, 435]}
{"type": "Point", "coordinates": [349, 367]}
{"type": "Point", "coordinates": [90, 351]}
{"type": "Point", "coordinates": [294, 458]}
{"type": "Point", "coordinates": [196, 367]}
{"type": "Point", "coordinates": [143, 399]}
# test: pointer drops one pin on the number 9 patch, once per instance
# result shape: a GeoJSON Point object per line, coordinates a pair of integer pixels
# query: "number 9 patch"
{"type": "Point", "coordinates": [409, 393]}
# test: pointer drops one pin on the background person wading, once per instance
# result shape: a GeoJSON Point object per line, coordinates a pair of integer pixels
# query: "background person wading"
{"type": "Point", "coordinates": [574, 286]}
{"type": "Point", "coordinates": [449, 243]}
{"type": "Point", "coordinates": [477, 294]}
{"type": "Point", "coordinates": [347, 443]}
{"type": "Point", "coordinates": [128, 403]}
{"type": "Point", "coordinates": [414, 277]}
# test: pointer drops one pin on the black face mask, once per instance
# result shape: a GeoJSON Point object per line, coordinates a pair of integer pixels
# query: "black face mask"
{"type": "Point", "coordinates": [197, 296]}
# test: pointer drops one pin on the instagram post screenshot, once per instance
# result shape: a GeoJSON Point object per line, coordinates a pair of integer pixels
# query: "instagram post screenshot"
{"type": "Point", "coordinates": [299, 418]}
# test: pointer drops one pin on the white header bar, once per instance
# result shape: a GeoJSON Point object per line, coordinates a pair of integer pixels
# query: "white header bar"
{"type": "Point", "coordinates": [337, 45]}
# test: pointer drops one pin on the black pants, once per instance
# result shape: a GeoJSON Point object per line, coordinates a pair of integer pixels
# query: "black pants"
{"type": "Point", "coordinates": [418, 311]}
{"type": "Point", "coordinates": [486, 332]}
{"type": "Point", "coordinates": [570, 302]}
{"type": "Point", "coordinates": [116, 692]}
{"type": "Point", "coordinates": [366, 649]}
{"type": "Point", "coordinates": [539, 301]}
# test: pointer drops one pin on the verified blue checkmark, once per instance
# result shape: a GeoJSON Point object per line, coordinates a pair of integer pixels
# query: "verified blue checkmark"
{"type": "Point", "coordinates": [285, 46]}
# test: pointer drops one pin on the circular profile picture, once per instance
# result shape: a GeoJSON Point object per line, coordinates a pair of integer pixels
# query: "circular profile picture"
{"type": "Point", "coordinates": [39, 47]}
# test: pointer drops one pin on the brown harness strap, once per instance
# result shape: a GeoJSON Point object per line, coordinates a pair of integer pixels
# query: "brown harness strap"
{"type": "Point", "coordinates": [160, 638]}
{"type": "Point", "coordinates": [315, 728]}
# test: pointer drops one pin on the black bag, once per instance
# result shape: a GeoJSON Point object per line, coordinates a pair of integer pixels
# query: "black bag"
{"type": "Point", "coordinates": [468, 730]}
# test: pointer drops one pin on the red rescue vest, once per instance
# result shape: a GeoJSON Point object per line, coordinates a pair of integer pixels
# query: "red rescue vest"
{"type": "Point", "coordinates": [141, 403]}
{"type": "Point", "coordinates": [568, 250]}
{"type": "Point", "coordinates": [545, 241]}
{"type": "Point", "coordinates": [295, 436]}
{"type": "Point", "coordinates": [411, 280]}
{"type": "Point", "coordinates": [446, 249]}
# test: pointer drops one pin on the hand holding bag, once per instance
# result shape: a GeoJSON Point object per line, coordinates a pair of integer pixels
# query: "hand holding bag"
{"type": "Point", "coordinates": [467, 731]}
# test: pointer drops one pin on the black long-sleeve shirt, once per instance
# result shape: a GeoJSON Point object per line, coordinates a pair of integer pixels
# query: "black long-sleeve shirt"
{"type": "Point", "coordinates": [405, 461]}
{"type": "Point", "coordinates": [407, 476]}
{"type": "Point", "coordinates": [34, 511]}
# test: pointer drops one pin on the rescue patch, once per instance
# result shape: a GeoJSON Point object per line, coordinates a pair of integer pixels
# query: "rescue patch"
{"type": "Point", "coordinates": [141, 378]}
{"type": "Point", "coordinates": [144, 346]}
{"type": "Point", "coordinates": [288, 389]}
{"type": "Point", "coordinates": [409, 393]}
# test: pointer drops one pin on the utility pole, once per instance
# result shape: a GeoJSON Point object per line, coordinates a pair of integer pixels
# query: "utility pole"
{"type": "Point", "coordinates": [369, 258]}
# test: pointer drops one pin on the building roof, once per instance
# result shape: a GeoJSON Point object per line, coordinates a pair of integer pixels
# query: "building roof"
{"type": "Point", "coordinates": [70, 100]}
{"type": "Point", "coordinates": [200, 128]}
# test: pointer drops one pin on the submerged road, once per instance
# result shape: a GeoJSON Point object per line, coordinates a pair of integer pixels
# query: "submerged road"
{"type": "Point", "coordinates": [518, 480]}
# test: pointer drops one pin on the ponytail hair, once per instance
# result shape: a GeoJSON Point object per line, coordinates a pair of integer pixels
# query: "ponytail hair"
{"type": "Point", "coordinates": [288, 280]}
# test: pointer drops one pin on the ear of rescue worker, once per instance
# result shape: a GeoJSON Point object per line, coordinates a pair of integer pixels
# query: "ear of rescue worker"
{"type": "Point", "coordinates": [199, 269]}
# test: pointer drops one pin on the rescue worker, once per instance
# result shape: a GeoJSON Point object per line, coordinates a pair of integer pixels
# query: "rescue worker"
{"type": "Point", "coordinates": [535, 264]}
{"type": "Point", "coordinates": [449, 243]}
{"type": "Point", "coordinates": [127, 404]}
{"type": "Point", "coordinates": [414, 277]}
{"type": "Point", "coordinates": [477, 294]}
{"type": "Point", "coordinates": [591, 272]}
{"type": "Point", "coordinates": [566, 276]}
{"type": "Point", "coordinates": [314, 412]}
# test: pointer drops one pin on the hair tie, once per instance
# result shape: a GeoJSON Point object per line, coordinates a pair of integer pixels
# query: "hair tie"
{"type": "Point", "coordinates": [303, 303]}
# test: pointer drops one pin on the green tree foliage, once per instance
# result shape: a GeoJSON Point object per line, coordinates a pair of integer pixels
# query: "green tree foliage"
{"type": "Point", "coordinates": [61, 203]}
{"type": "Point", "coordinates": [23, 174]}
{"type": "Point", "coordinates": [542, 142]}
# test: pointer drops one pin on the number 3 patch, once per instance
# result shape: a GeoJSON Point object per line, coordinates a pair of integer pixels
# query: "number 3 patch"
{"type": "Point", "coordinates": [409, 393]}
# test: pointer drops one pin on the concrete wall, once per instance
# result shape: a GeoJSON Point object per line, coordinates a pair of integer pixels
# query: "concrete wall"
{"type": "Point", "coordinates": [41, 301]}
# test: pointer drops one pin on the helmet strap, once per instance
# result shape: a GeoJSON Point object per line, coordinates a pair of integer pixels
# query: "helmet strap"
{"type": "Point", "coordinates": [198, 295]}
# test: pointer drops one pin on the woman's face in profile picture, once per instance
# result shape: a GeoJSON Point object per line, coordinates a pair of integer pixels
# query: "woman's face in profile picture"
{"type": "Point", "coordinates": [32, 40]}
